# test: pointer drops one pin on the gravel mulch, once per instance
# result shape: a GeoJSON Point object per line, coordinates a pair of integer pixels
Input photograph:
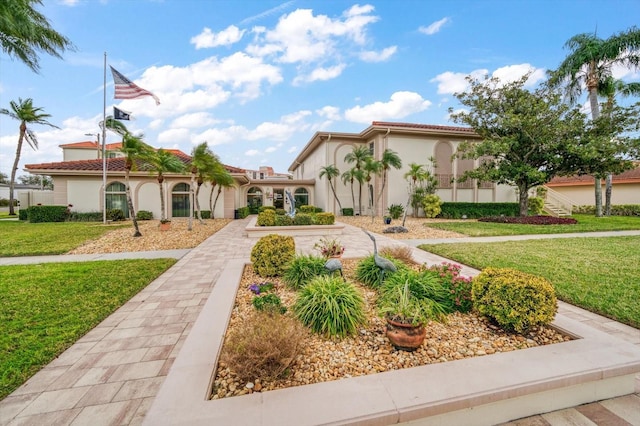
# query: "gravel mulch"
{"type": "Point", "coordinates": [418, 227]}
{"type": "Point", "coordinates": [322, 359]}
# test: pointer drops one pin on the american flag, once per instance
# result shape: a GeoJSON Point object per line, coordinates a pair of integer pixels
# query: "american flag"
{"type": "Point", "coordinates": [126, 89]}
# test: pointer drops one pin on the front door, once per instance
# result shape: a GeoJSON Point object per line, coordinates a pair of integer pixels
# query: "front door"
{"type": "Point", "coordinates": [278, 198]}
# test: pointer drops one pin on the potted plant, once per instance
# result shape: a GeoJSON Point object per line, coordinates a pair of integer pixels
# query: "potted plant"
{"type": "Point", "coordinates": [329, 248]}
{"type": "Point", "coordinates": [387, 220]}
{"type": "Point", "coordinates": [406, 313]}
{"type": "Point", "coordinates": [165, 224]}
{"type": "Point", "coordinates": [395, 211]}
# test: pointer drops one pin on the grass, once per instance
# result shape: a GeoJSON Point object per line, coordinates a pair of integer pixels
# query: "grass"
{"type": "Point", "coordinates": [586, 223]}
{"type": "Point", "coordinates": [35, 239]}
{"type": "Point", "coordinates": [45, 308]}
{"type": "Point", "coordinates": [597, 274]}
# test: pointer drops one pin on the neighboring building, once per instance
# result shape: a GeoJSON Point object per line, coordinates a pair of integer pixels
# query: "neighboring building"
{"type": "Point", "coordinates": [414, 143]}
{"type": "Point", "coordinates": [78, 181]}
{"type": "Point", "coordinates": [266, 172]}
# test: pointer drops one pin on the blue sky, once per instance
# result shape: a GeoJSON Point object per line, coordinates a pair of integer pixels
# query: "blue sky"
{"type": "Point", "coordinates": [256, 78]}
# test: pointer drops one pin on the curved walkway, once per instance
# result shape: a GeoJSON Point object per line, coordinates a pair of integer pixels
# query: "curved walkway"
{"type": "Point", "coordinates": [111, 375]}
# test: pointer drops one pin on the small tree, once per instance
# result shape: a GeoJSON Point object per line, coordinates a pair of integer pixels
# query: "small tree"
{"type": "Point", "coordinates": [358, 157]}
{"type": "Point", "coordinates": [525, 135]}
{"type": "Point", "coordinates": [162, 162]}
{"type": "Point", "coordinates": [331, 172]}
{"type": "Point", "coordinates": [220, 178]}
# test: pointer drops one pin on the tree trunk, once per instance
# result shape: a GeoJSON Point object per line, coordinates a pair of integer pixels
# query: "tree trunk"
{"type": "Point", "coordinates": [360, 198]}
{"type": "Point", "coordinates": [607, 194]}
{"type": "Point", "coordinates": [216, 200]}
{"type": "Point", "coordinates": [598, 191]}
{"type": "Point", "coordinates": [523, 200]}
{"type": "Point", "coordinates": [353, 199]}
{"type": "Point", "coordinates": [163, 213]}
{"type": "Point", "coordinates": [335, 195]}
{"type": "Point", "coordinates": [132, 212]}
{"type": "Point", "coordinates": [384, 182]}
{"type": "Point", "coordinates": [197, 202]}
{"type": "Point", "coordinates": [211, 199]}
{"type": "Point", "coordinates": [12, 183]}
{"type": "Point", "coordinates": [191, 199]}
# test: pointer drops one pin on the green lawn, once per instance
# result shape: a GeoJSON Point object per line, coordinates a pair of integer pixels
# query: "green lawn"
{"type": "Point", "coordinates": [601, 275]}
{"type": "Point", "coordinates": [45, 308]}
{"type": "Point", "coordinates": [586, 223]}
{"type": "Point", "coordinates": [19, 238]}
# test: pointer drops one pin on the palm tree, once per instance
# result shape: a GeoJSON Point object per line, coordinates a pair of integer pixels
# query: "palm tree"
{"type": "Point", "coordinates": [134, 150]}
{"type": "Point", "coordinates": [27, 114]}
{"type": "Point", "coordinates": [221, 178]}
{"type": "Point", "coordinates": [608, 88]}
{"type": "Point", "coordinates": [348, 177]}
{"type": "Point", "coordinates": [24, 31]}
{"type": "Point", "coordinates": [416, 174]}
{"type": "Point", "coordinates": [389, 159]}
{"type": "Point", "coordinates": [331, 172]}
{"type": "Point", "coordinates": [371, 167]}
{"type": "Point", "coordinates": [162, 162]}
{"type": "Point", "coordinates": [590, 63]}
{"type": "Point", "coordinates": [358, 156]}
{"type": "Point", "coordinates": [202, 163]}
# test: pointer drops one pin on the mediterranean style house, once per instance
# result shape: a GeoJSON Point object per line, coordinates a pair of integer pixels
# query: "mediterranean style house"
{"type": "Point", "coordinates": [429, 145]}
{"type": "Point", "coordinates": [79, 182]}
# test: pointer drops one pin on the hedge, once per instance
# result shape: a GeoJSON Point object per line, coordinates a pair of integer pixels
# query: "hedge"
{"type": "Point", "coordinates": [478, 210]}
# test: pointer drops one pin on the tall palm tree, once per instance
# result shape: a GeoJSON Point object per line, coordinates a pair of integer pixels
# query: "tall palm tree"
{"type": "Point", "coordinates": [389, 159]}
{"type": "Point", "coordinates": [348, 177]}
{"type": "Point", "coordinates": [221, 178]}
{"type": "Point", "coordinates": [590, 62]}
{"type": "Point", "coordinates": [357, 157]}
{"type": "Point", "coordinates": [608, 88]}
{"type": "Point", "coordinates": [162, 162]}
{"type": "Point", "coordinates": [24, 31]}
{"type": "Point", "coordinates": [134, 150]}
{"type": "Point", "coordinates": [331, 172]}
{"type": "Point", "coordinates": [203, 161]}
{"type": "Point", "coordinates": [27, 114]}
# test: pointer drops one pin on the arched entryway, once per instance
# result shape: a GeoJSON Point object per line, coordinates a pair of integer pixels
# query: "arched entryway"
{"type": "Point", "coordinates": [254, 199]}
{"type": "Point", "coordinates": [301, 196]}
{"type": "Point", "coordinates": [116, 197]}
{"type": "Point", "coordinates": [180, 205]}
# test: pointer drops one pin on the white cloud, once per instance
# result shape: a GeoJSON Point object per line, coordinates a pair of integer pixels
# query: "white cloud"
{"type": "Point", "coordinates": [70, 3]}
{"type": "Point", "coordinates": [434, 27]}
{"type": "Point", "coordinates": [292, 150]}
{"type": "Point", "coordinates": [252, 152]}
{"type": "Point", "coordinates": [450, 82]}
{"type": "Point", "coordinates": [271, 149]}
{"type": "Point", "coordinates": [373, 56]}
{"type": "Point", "coordinates": [226, 37]}
{"type": "Point", "coordinates": [194, 120]}
{"type": "Point", "coordinates": [320, 73]}
{"type": "Point", "coordinates": [266, 13]}
{"type": "Point", "coordinates": [174, 136]}
{"type": "Point", "coordinates": [330, 112]}
{"type": "Point", "coordinates": [400, 105]}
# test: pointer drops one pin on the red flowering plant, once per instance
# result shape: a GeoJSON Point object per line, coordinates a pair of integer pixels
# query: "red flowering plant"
{"type": "Point", "coordinates": [329, 247]}
{"type": "Point", "coordinates": [458, 288]}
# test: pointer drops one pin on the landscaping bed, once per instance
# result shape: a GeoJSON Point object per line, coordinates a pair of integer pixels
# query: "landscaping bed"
{"type": "Point", "coordinates": [369, 352]}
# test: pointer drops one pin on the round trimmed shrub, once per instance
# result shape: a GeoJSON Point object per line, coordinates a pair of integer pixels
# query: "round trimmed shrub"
{"type": "Point", "coordinates": [283, 220]}
{"type": "Point", "coordinates": [431, 205]}
{"type": "Point", "coordinates": [516, 300]}
{"type": "Point", "coordinates": [303, 219]}
{"type": "Point", "coordinates": [302, 269]}
{"type": "Point", "coordinates": [330, 306]}
{"type": "Point", "coordinates": [144, 215]}
{"type": "Point", "coordinates": [266, 218]}
{"type": "Point", "coordinates": [272, 253]}
{"type": "Point", "coordinates": [325, 218]}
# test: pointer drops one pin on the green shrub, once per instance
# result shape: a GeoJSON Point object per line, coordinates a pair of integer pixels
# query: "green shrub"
{"type": "Point", "coordinates": [144, 215]}
{"type": "Point", "coordinates": [263, 347]}
{"type": "Point", "coordinates": [280, 212]}
{"type": "Point", "coordinates": [395, 211]}
{"type": "Point", "coordinates": [263, 208]}
{"type": "Point", "coordinates": [331, 307]}
{"type": "Point", "coordinates": [243, 212]}
{"type": "Point", "coordinates": [115, 215]}
{"type": "Point", "coordinates": [267, 218]}
{"type": "Point", "coordinates": [283, 220]}
{"type": "Point", "coordinates": [368, 273]}
{"type": "Point", "coordinates": [302, 269]}
{"type": "Point", "coordinates": [269, 303]}
{"type": "Point", "coordinates": [324, 218]}
{"type": "Point", "coordinates": [477, 210]}
{"type": "Point", "coordinates": [347, 211]}
{"type": "Point", "coordinates": [303, 219]}
{"type": "Point", "coordinates": [307, 209]}
{"type": "Point", "coordinates": [431, 205]}
{"type": "Point", "coordinates": [38, 214]}
{"type": "Point", "coordinates": [536, 205]}
{"type": "Point", "coordinates": [23, 214]}
{"type": "Point", "coordinates": [205, 214]}
{"type": "Point", "coordinates": [457, 288]}
{"type": "Point", "coordinates": [515, 300]}
{"type": "Point", "coordinates": [86, 217]}
{"type": "Point", "coordinates": [272, 253]}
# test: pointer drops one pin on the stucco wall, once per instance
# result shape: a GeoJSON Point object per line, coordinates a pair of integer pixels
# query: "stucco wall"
{"type": "Point", "coordinates": [584, 195]}
{"type": "Point", "coordinates": [79, 154]}
{"type": "Point", "coordinates": [84, 194]}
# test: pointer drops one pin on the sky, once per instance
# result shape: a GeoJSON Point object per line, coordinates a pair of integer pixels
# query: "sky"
{"type": "Point", "coordinates": [255, 79]}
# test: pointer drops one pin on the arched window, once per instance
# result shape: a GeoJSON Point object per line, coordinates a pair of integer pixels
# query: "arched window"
{"type": "Point", "coordinates": [463, 166]}
{"type": "Point", "coordinates": [116, 197]}
{"type": "Point", "coordinates": [254, 199]}
{"type": "Point", "coordinates": [444, 166]}
{"type": "Point", "coordinates": [180, 196]}
{"type": "Point", "coordinates": [301, 196]}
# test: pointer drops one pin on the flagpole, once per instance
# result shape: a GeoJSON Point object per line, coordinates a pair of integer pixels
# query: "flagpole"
{"type": "Point", "coordinates": [104, 142]}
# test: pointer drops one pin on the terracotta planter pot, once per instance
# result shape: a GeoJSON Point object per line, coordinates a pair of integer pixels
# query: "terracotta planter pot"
{"type": "Point", "coordinates": [405, 337]}
{"type": "Point", "coordinates": [165, 226]}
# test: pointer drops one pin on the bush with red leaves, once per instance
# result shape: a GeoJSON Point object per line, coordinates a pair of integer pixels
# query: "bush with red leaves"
{"type": "Point", "coordinates": [530, 220]}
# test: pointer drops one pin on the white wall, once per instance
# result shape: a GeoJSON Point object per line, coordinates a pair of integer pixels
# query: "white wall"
{"type": "Point", "coordinates": [84, 194]}
{"type": "Point", "coordinates": [69, 154]}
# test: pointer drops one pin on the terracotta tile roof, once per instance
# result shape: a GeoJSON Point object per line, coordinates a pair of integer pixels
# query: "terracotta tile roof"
{"type": "Point", "coordinates": [422, 126]}
{"type": "Point", "coordinates": [630, 176]}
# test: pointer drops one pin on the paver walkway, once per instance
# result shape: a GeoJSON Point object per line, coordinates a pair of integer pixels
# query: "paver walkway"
{"type": "Point", "coordinates": [111, 375]}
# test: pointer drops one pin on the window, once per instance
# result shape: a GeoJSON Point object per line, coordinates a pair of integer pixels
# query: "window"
{"type": "Point", "coordinates": [371, 148]}
{"type": "Point", "coordinates": [180, 200]}
{"type": "Point", "coordinates": [444, 167]}
{"type": "Point", "coordinates": [301, 196]}
{"type": "Point", "coordinates": [116, 197]}
{"type": "Point", "coordinates": [254, 199]}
